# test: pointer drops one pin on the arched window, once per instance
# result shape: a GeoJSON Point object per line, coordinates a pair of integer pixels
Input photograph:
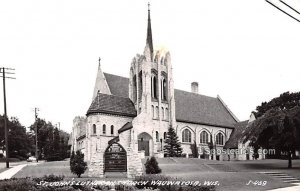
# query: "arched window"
{"type": "Point", "coordinates": [104, 129]}
{"type": "Point", "coordinates": [165, 135]}
{"type": "Point", "coordinates": [134, 88]}
{"type": "Point", "coordinates": [163, 87]}
{"type": "Point", "coordinates": [186, 136]}
{"type": "Point", "coordinates": [156, 112]}
{"type": "Point", "coordinates": [94, 129]}
{"type": "Point", "coordinates": [112, 130]}
{"type": "Point", "coordinates": [154, 85]}
{"type": "Point", "coordinates": [157, 136]}
{"type": "Point", "coordinates": [219, 139]}
{"type": "Point", "coordinates": [162, 113]}
{"type": "Point", "coordinates": [140, 85]}
{"type": "Point", "coordinates": [204, 137]}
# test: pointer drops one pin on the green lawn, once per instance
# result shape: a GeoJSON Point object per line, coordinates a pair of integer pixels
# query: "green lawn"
{"type": "Point", "coordinates": [232, 175]}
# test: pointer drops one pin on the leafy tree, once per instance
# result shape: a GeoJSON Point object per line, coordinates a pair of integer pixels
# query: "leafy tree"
{"type": "Point", "coordinates": [19, 142]}
{"type": "Point", "coordinates": [284, 102]}
{"type": "Point", "coordinates": [52, 142]}
{"type": "Point", "coordinates": [77, 164]}
{"type": "Point", "coordinates": [278, 128]}
{"type": "Point", "coordinates": [172, 146]}
{"type": "Point", "coordinates": [194, 150]}
{"type": "Point", "coordinates": [151, 166]}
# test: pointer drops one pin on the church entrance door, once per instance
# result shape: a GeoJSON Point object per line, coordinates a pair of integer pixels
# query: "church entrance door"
{"type": "Point", "coordinates": [115, 158]}
{"type": "Point", "coordinates": [144, 143]}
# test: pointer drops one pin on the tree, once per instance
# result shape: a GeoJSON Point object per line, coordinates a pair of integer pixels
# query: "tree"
{"type": "Point", "coordinates": [172, 146]}
{"type": "Point", "coordinates": [285, 101]}
{"type": "Point", "coordinates": [52, 142]}
{"type": "Point", "coordinates": [194, 150]}
{"type": "Point", "coordinates": [278, 128]}
{"type": "Point", "coordinates": [77, 164]}
{"type": "Point", "coordinates": [151, 166]}
{"type": "Point", "coordinates": [19, 142]}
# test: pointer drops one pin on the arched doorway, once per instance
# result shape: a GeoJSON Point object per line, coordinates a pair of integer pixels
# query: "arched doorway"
{"type": "Point", "coordinates": [144, 140]}
{"type": "Point", "coordinates": [115, 158]}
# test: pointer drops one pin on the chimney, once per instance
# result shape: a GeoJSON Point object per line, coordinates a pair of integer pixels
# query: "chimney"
{"type": "Point", "coordinates": [194, 87]}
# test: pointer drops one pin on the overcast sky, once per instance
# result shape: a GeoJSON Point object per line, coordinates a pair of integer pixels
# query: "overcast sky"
{"type": "Point", "coordinates": [246, 51]}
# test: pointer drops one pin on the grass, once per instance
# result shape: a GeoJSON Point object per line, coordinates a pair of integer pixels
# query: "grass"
{"type": "Point", "coordinates": [232, 175]}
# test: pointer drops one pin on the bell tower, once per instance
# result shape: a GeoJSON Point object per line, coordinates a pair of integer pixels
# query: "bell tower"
{"type": "Point", "coordinates": [151, 81]}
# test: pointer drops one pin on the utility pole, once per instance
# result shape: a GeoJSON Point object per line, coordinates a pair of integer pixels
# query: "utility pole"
{"type": "Point", "coordinates": [5, 113]}
{"type": "Point", "coordinates": [36, 133]}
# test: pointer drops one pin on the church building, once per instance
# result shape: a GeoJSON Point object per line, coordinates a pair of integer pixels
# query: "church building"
{"type": "Point", "coordinates": [129, 116]}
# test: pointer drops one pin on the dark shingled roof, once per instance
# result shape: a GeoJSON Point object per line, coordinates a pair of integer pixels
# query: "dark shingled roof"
{"type": "Point", "coordinates": [111, 104]}
{"type": "Point", "coordinates": [200, 109]}
{"type": "Point", "coordinates": [236, 135]}
{"type": "Point", "coordinates": [190, 107]}
{"type": "Point", "coordinates": [118, 85]}
{"type": "Point", "coordinates": [125, 127]}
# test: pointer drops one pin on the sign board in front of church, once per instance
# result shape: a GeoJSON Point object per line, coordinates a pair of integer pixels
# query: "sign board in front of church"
{"type": "Point", "coordinates": [115, 158]}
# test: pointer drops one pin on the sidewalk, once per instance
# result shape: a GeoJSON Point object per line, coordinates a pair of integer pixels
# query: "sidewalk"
{"type": "Point", "coordinates": [7, 174]}
{"type": "Point", "coordinates": [12, 171]}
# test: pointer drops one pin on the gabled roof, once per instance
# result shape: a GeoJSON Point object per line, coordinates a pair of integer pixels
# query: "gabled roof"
{"type": "Point", "coordinates": [112, 104]}
{"type": "Point", "coordinates": [200, 109]}
{"type": "Point", "coordinates": [236, 135]}
{"type": "Point", "coordinates": [190, 107]}
{"type": "Point", "coordinates": [118, 85]}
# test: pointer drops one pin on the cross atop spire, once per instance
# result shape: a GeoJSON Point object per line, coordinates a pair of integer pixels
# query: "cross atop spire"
{"type": "Point", "coordinates": [99, 61]}
{"type": "Point", "coordinates": [149, 41]}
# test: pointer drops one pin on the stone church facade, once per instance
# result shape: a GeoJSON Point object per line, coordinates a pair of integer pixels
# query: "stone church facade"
{"type": "Point", "coordinates": [129, 117]}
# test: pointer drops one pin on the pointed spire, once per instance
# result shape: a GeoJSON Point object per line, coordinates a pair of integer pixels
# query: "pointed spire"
{"type": "Point", "coordinates": [99, 62]}
{"type": "Point", "coordinates": [149, 41]}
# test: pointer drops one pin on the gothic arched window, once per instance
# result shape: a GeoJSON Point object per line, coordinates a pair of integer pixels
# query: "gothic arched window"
{"type": "Point", "coordinates": [154, 85]}
{"type": "Point", "coordinates": [134, 88]}
{"type": "Point", "coordinates": [164, 87]}
{"type": "Point", "coordinates": [220, 139]}
{"type": "Point", "coordinates": [162, 113]}
{"type": "Point", "coordinates": [104, 129]}
{"type": "Point", "coordinates": [157, 136]}
{"type": "Point", "coordinates": [186, 136]}
{"type": "Point", "coordinates": [140, 85]}
{"type": "Point", "coordinates": [165, 135]}
{"type": "Point", "coordinates": [94, 129]}
{"type": "Point", "coordinates": [112, 130]}
{"type": "Point", "coordinates": [204, 137]}
{"type": "Point", "coordinates": [156, 112]}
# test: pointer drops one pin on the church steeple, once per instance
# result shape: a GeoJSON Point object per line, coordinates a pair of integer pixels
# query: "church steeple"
{"type": "Point", "coordinates": [149, 41]}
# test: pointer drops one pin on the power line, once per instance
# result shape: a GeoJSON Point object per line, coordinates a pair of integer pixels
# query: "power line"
{"type": "Point", "coordinates": [5, 112]}
{"type": "Point", "coordinates": [282, 10]}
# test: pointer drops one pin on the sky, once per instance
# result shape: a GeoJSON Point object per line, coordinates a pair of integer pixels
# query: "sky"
{"type": "Point", "coordinates": [246, 51]}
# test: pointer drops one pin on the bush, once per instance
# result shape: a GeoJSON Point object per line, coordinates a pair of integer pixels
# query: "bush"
{"type": "Point", "coordinates": [49, 178]}
{"type": "Point", "coordinates": [152, 166]}
{"type": "Point", "coordinates": [54, 157]}
{"type": "Point", "coordinates": [77, 164]}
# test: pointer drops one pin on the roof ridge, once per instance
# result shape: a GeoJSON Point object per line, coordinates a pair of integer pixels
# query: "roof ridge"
{"type": "Point", "coordinates": [115, 75]}
{"type": "Point", "coordinates": [195, 93]}
{"type": "Point", "coordinates": [227, 109]}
